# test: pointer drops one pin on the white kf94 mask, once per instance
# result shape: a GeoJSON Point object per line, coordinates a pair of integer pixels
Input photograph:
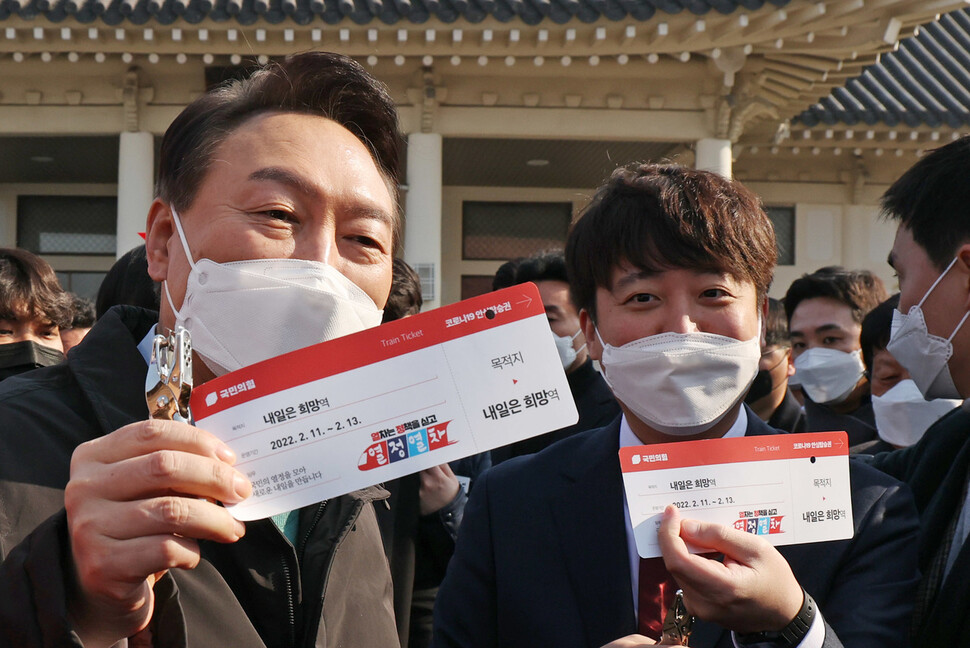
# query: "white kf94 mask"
{"type": "Point", "coordinates": [902, 414]}
{"type": "Point", "coordinates": [925, 356]}
{"type": "Point", "coordinates": [243, 312]}
{"type": "Point", "coordinates": [828, 376]}
{"type": "Point", "coordinates": [681, 384]}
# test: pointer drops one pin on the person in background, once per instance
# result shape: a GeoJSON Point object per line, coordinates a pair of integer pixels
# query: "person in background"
{"type": "Point", "coordinates": [825, 311]}
{"type": "Point", "coordinates": [505, 275]}
{"type": "Point", "coordinates": [128, 282]}
{"type": "Point", "coordinates": [594, 400]}
{"type": "Point", "coordinates": [931, 340]}
{"type": "Point", "coordinates": [670, 267]}
{"type": "Point", "coordinates": [82, 320]}
{"type": "Point", "coordinates": [902, 414]}
{"type": "Point", "coordinates": [33, 308]}
{"type": "Point", "coordinates": [405, 299]}
{"type": "Point", "coordinates": [769, 396]}
{"type": "Point", "coordinates": [420, 523]}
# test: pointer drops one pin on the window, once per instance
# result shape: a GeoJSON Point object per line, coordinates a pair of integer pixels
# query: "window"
{"type": "Point", "coordinates": [783, 219]}
{"type": "Point", "coordinates": [82, 284]}
{"type": "Point", "coordinates": [67, 224]}
{"type": "Point", "coordinates": [504, 230]}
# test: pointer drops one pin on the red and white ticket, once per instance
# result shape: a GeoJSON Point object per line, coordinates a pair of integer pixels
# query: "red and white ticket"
{"type": "Point", "coordinates": [786, 488]}
{"type": "Point", "coordinates": [389, 401]}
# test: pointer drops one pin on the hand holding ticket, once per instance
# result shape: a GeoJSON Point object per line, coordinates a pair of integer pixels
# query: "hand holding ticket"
{"type": "Point", "coordinates": [785, 488]}
{"type": "Point", "coordinates": [389, 401]}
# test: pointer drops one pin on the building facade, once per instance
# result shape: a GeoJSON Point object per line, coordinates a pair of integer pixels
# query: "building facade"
{"type": "Point", "coordinates": [514, 111]}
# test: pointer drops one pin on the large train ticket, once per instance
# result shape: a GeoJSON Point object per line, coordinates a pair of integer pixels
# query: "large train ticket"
{"type": "Point", "coordinates": [786, 488]}
{"type": "Point", "coordinates": [389, 401]}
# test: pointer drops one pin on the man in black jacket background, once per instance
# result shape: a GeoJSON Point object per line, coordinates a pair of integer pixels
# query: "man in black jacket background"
{"type": "Point", "coordinates": [594, 400]}
{"type": "Point", "coordinates": [931, 256]}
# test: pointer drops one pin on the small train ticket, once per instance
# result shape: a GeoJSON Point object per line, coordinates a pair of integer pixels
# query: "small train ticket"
{"type": "Point", "coordinates": [787, 488]}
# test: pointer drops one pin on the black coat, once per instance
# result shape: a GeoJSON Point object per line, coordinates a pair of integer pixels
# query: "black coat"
{"type": "Point", "coordinates": [936, 468]}
{"type": "Point", "coordinates": [253, 593]}
{"type": "Point", "coordinates": [542, 559]}
{"type": "Point", "coordinates": [788, 416]}
{"type": "Point", "coordinates": [594, 403]}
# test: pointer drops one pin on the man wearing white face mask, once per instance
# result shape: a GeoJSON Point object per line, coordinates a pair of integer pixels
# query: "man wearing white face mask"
{"type": "Point", "coordinates": [273, 228]}
{"type": "Point", "coordinates": [825, 311]}
{"type": "Point", "coordinates": [902, 414]}
{"type": "Point", "coordinates": [670, 267]}
{"type": "Point", "coordinates": [930, 338]}
{"type": "Point", "coordinates": [594, 401]}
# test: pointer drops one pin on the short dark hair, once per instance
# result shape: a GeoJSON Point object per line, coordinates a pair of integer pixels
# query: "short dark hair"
{"type": "Point", "coordinates": [860, 290]}
{"type": "Point", "coordinates": [30, 289]}
{"type": "Point", "coordinates": [128, 282]}
{"type": "Point", "coordinates": [548, 265]}
{"type": "Point", "coordinates": [83, 314]}
{"type": "Point", "coordinates": [658, 217]}
{"type": "Point", "coordinates": [505, 275]}
{"type": "Point", "coordinates": [876, 329]}
{"type": "Point", "coordinates": [315, 83]}
{"type": "Point", "coordinates": [776, 328]}
{"type": "Point", "coordinates": [931, 200]}
{"type": "Point", "coordinates": [405, 298]}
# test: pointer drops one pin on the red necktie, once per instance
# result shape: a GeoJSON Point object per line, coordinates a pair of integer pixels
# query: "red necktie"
{"type": "Point", "coordinates": [655, 596]}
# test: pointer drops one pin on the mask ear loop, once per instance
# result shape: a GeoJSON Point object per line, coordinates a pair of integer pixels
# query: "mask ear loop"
{"type": "Point", "coordinates": [185, 244]}
{"type": "Point", "coordinates": [959, 326]}
{"type": "Point", "coordinates": [576, 335]}
{"type": "Point", "coordinates": [938, 280]}
{"type": "Point", "coordinates": [188, 256]}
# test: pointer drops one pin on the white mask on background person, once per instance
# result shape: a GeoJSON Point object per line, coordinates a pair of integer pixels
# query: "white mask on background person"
{"type": "Point", "coordinates": [681, 384]}
{"type": "Point", "coordinates": [567, 354]}
{"type": "Point", "coordinates": [828, 376]}
{"type": "Point", "coordinates": [903, 415]}
{"type": "Point", "coordinates": [924, 356]}
{"type": "Point", "coordinates": [242, 312]}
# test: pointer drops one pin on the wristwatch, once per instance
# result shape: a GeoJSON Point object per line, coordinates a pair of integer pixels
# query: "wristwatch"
{"type": "Point", "coordinates": [789, 636]}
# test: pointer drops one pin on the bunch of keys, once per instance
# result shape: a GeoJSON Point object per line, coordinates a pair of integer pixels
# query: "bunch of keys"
{"type": "Point", "coordinates": [678, 623]}
{"type": "Point", "coordinates": [168, 384]}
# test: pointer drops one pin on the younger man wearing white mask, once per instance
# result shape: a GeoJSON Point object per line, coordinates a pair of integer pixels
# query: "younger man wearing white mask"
{"type": "Point", "coordinates": [930, 338]}
{"type": "Point", "coordinates": [825, 311]}
{"type": "Point", "coordinates": [671, 269]}
{"type": "Point", "coordinates": [594, 401]}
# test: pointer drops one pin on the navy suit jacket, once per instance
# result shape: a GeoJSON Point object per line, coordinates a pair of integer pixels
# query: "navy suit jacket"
{"type": "Point", "coordinates": [542, 557]}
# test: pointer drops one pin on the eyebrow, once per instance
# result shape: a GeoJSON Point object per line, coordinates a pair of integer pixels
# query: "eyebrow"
{"type": "Point", "coordinates": [277, 174]}
{"type": "Point", "coordinates": [632, 277]}
{"type": "Point", "coordinates": [300, 184]}
{"type": "Point", "coordinates": [824, 328]}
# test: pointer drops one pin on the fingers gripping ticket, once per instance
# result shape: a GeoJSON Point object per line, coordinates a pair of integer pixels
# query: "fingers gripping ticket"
{"type": "Point", "coordinates": [159, 457]}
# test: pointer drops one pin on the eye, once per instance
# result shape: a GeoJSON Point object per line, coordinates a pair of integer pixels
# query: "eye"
{"type": "Point", "coordinates": [643, 298]}
{"type": "Point", "coordinates": [715, 293]}
{"type": "Point", "coordinates": [829, 340]}
{"type": "Point", "coordinates": [366, 240]}
{"type": "Point", "coordinates": [798, 346]}
{"type": "Point", "coordinates": [279, 214]}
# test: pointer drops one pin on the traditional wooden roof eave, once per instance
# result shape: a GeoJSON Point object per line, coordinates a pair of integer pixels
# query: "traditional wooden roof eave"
{"type": "Point", "coordinates": [786, 57]}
